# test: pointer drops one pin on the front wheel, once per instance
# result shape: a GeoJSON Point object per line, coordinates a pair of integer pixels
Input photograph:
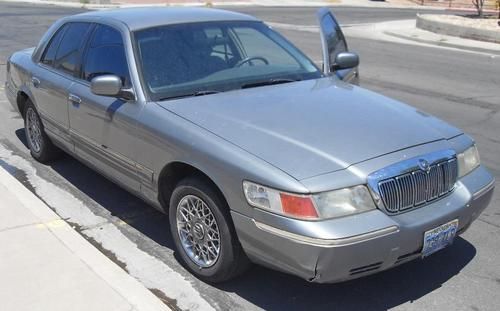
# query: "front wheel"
{"type": "Point", "coordinates": [203, 232]}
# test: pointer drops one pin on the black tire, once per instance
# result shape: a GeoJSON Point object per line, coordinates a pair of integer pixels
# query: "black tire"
{"type": "Point", "coordinates": [46, 151]}
{"type": "Point", "coordinates": [231, 260]}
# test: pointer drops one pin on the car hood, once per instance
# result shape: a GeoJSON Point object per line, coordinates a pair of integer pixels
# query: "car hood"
{"type": "Point", "coordinates": [312, 127]}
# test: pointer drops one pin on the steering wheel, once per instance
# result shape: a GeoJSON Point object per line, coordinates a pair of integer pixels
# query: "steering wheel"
{"type": "Point", "coordinates": [250, 59]}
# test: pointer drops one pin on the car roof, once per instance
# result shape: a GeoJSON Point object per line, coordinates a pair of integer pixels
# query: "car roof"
{"type": "Point", "coordinates": [146, 17]}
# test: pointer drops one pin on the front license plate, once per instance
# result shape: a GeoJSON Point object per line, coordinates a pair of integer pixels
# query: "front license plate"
{"type": "Point", "coordinates": [440, 237]}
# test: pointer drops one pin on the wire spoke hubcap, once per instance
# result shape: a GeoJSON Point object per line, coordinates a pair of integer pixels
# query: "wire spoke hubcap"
{"type": "Point", "coordinates": [198, 231]}
{"type": "Point", "coordinates": [34, 131]}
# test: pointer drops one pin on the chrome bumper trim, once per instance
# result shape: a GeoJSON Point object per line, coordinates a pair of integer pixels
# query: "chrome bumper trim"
{"type": "Point", "coordinates": [330, 242]}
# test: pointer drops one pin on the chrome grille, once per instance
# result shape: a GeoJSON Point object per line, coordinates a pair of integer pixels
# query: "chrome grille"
{"type": "Point", "coordinates": [418, 187]}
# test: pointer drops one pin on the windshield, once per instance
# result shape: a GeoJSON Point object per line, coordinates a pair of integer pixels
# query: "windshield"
{"type": "Point", "coordinates": [206, 58]}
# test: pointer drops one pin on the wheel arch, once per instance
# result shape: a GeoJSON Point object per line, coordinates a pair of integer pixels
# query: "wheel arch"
{"type": "Point", "coordinates": [173, 173]}
{"type": "Point", "coordinates": [21, 99]}
{"type": "Point", "coordinates": [23, 96]}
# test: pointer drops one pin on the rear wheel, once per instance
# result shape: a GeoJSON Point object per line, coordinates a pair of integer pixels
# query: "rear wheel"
{"type": "Point", "coordinates": [41, 148]}
{"type": "Point", "coordinates": [203, 232]}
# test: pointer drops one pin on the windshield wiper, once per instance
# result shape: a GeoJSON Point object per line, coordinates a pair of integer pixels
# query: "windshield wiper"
{"type": "Point", "coordinates": [205, 92]}
{"type": "Point", "coordinates": [197, 93]}
{"type": "Point", "coordinates": [267, 82]}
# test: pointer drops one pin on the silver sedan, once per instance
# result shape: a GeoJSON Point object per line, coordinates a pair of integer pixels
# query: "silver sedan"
{"type": "Point", "coordinates": [255, 153]}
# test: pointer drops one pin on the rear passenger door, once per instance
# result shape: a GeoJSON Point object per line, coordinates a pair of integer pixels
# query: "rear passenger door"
{"type": "Point", "coordinates": [102, 127]}
{"type": "Point", "coordinates": [53, 77]}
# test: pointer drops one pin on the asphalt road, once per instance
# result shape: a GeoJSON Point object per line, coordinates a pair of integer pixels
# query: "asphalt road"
{"type": "Point", "coordinates": [457, 86]}
{"type": "Point", "coordinates": [345, 15]}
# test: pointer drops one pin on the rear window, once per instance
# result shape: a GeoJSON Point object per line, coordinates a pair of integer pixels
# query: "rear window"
{"type": "Point", "coordinates": [50, 52]}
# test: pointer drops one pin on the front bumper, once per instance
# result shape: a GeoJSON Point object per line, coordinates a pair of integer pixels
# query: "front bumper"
{"type": "Point", "coordinates": [345, 248]}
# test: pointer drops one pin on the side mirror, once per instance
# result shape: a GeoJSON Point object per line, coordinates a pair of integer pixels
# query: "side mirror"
{"type": "Point", "coordinates": [111, 86]}
{"type": "Point", "coordinates": [345, 60]}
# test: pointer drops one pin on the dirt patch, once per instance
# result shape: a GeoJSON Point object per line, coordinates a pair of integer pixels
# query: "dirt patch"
{"type": "Point", "coordinates": [171, 303]}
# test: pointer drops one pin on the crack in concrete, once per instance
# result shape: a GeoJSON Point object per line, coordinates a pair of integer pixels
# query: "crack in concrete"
{"type": "Point", "coordinates": [489, 222]}
{"type": "Point", "coordinates": [20, 226]}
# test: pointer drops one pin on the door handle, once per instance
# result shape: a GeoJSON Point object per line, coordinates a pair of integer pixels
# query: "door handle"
{"type": "Point", "coordinates": [74, 99]}
{"type": "Point", "coordinates": [35, 81]}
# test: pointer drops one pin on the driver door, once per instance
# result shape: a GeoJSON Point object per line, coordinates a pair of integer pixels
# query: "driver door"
{"type": "Point", "coordinates": [333, 42]}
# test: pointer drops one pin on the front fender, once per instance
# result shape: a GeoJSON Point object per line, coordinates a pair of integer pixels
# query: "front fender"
{"type": "Point", "coordinates": [168, 138]}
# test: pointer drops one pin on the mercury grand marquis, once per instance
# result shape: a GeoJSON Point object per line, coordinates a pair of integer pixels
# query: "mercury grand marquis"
{"type": "Point", "coordinates": [256, 154]}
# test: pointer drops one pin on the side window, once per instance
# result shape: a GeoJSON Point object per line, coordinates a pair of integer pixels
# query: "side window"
{"type": "Point", "coordinates": [69, 50]}
{"type": "Point", "coordinates": [51, 49]}
{"type": "Point", "coordinates": [106, 55]}
{"type": "Point", "coordinates": [334, 37]}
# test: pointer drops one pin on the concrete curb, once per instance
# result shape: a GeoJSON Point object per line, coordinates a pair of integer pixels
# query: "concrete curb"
{"type": "Point", "coordinates": [442, 27]}
{"type": "Point", "coordinates": [127, 286]}
{"type": "Point", "coordinates": [440, 43]}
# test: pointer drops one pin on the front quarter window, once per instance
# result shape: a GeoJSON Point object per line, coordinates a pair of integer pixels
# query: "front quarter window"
{"type": "Point", "coordinates": [205, 58]}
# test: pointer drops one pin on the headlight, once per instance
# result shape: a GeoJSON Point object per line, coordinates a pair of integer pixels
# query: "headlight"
{"type": "Point", "coordinates": [344, 202]}
{"type": "Point", "coordinates": [468, 161]}
{"type": "Point", "coordinates": [330, 204]}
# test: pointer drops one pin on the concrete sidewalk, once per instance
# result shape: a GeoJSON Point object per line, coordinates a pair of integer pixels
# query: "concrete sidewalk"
{"type": "Point", "coordinates": [406, 32]}
{"type": "Point", "coordinates": [46, 265]}
{"type": "Point", "coordinates": [486, 29]}
{"type": "Point", "coordinates": [403, 32]}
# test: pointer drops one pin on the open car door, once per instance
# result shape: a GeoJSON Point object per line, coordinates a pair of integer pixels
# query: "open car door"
{"type": "Point", "coordinates": [333, 43]}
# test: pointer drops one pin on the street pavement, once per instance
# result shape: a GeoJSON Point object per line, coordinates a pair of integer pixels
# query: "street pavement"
{"type": "Point", "coordinates": [458, 86]}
